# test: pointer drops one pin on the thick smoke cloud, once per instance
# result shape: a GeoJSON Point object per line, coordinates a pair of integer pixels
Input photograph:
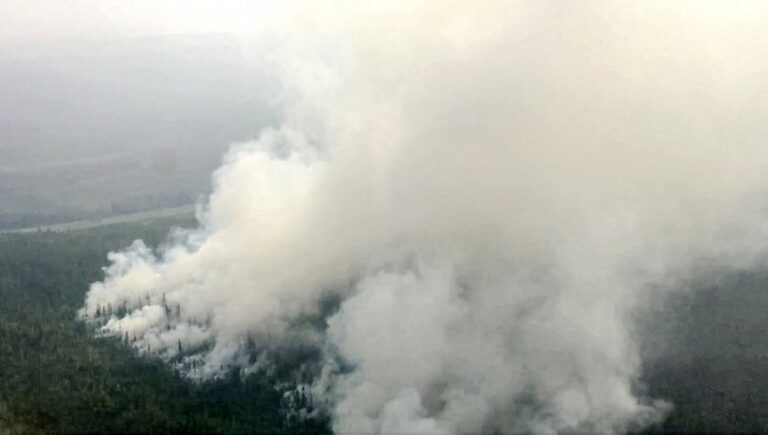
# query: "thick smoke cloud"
{"type": "Point", "coordinates": [489, 191]}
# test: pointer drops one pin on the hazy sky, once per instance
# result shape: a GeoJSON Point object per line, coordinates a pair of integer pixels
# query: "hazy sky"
{"type": "Point", "coordinates": [89, 18]}
{"type": "Point", "coordinates": [104, 18]}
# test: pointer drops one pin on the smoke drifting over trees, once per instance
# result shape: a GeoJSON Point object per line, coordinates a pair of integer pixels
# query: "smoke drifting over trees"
{"type": "Point", "coordinates": [466, 208]}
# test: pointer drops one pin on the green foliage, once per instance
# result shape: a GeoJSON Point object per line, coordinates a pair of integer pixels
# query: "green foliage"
{"type": "Point", "coordinates": [711, 353]}
{"type": "Point", "coordinates": [8, 423]}
{"type": "Point", "coordinates": [55, 376]}
{"type": "Point", "coordinates": [709, 358]}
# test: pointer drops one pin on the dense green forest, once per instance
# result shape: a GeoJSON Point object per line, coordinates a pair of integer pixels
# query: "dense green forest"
{"type": "Point", "coordinates": [707, 356]}
{"type": "Point", "coordinates": [710, 352]}
{"type": "Point", "coordinates": [56, 377]}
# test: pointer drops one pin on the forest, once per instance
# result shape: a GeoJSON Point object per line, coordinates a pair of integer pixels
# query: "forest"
{"type": "Point", "coordinates": [57, 377]}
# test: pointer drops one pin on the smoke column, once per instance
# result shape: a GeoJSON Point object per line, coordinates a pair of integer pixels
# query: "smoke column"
{"type": "Point", "coordinates": [489, 191]}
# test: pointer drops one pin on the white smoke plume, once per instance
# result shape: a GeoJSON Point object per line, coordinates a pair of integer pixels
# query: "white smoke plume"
{"type": "Point", "coordinates": [490, 191]}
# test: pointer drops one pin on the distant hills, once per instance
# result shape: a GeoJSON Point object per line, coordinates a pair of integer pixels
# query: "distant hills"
{"type": "Point", "coordinates": [97, 128]}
